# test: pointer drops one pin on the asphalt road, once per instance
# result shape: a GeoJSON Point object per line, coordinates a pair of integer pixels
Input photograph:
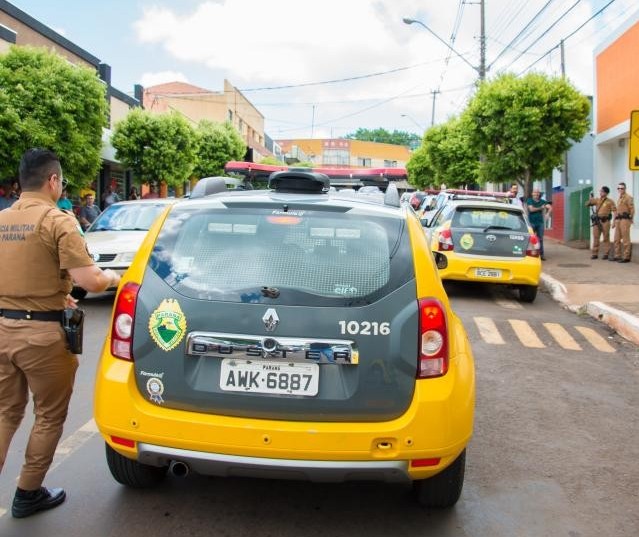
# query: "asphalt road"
{"type": "Point", "coordinates": [554, 452]}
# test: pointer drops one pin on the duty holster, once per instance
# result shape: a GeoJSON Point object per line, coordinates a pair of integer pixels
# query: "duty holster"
{"type": "Point", "coordinates": [73, 325]}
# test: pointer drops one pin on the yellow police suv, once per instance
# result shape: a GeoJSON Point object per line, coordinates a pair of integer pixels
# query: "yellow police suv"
{"type": "Point", "coordinates": [287, 333]}
{"type": "Point", "coordinates": [487, 241]}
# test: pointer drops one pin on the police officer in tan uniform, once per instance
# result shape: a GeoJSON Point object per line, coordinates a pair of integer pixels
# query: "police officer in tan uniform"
{"type": "Point", "coordinates": [622, 223]}
{"type": "Point", "coordinates": [601, 220]}
{"type": "Point", "coordinates": [41, 252]}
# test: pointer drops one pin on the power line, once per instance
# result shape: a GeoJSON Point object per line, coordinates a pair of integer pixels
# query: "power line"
{"type": "Point", "coordinates": [568, 36]}
{"type": "Point", "coordinates": [544, 33]}
{"type": "Point", "coordinates": [521, 32]}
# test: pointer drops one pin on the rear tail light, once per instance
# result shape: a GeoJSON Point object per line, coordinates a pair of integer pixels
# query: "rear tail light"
{"type": "Point", "coordinates": [533, 246]}
{"type": "Point", "coordinates": [433, 339]}
{"type": "Point", "coordinates": [445, 242]}
{"type": "Point", "coordinates": [123, 317]}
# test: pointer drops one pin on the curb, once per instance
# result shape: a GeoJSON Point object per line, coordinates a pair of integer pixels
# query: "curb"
{"type": "Point", "coordinates": [623, 323]}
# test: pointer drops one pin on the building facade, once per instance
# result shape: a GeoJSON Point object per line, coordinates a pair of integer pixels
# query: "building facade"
{"type": "Point", "coordinates": [616, 96]}
{"type": "Point", "coordinates": [344, 153]}
{"type": "Point", "coordinates": [196, 103]}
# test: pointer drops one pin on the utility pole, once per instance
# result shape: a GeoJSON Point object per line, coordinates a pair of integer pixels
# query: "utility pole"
{"type": "Point", "coordinates": [482, 41]}
{"type": "Point", "coordinates": [432, 117]}
{"type": "Point", "coordinates": [563, 59]}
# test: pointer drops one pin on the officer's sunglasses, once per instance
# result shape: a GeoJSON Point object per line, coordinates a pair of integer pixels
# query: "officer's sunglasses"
{"type": "Point", "coordinates": [64, 181]}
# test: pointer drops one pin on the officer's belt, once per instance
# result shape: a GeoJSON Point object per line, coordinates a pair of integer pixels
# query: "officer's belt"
{"type": "Point", "coordinates": [32, 315]}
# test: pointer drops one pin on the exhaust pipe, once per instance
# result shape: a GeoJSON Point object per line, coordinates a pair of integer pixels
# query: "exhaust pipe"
{"type": "Point", "coordinates": [179, 468]}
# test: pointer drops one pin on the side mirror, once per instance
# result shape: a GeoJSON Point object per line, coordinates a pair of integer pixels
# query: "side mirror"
{"type": "Point", "coordinates": [424, 222]}
{"type": "Point", "coordinates": [440, 260]}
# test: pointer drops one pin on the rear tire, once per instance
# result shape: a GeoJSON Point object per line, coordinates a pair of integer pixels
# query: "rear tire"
{"type": "Point", "coordinates": [132, 473]}
{"type": "Point", "coordinates": [444, 489]}
{"type": "Point", "coordinates": [527, 293]}
{"type": "Point", "coordinates": [78, 293]}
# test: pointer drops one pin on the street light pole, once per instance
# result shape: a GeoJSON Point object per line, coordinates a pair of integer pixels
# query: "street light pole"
{"type": "Point", "coordinates": [481, 69]}
{"type": "Point", "coordinates": [411, 118]}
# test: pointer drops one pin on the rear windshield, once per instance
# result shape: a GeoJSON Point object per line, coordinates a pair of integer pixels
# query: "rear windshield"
{"type": "Point", "coordinates": [257, 254]}
{"type": "Point", "coordinates": [128, 217]}
{"type": "Point", "coordinates": [486, 218]}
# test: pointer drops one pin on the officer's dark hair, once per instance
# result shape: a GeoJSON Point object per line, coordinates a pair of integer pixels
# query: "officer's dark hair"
{"type": "Point", "coordinates": [36, 167]}
{"type": "Point", "coordinates": [605, 189]}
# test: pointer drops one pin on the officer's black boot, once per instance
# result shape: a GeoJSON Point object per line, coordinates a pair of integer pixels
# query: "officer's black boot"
{"type": "Point", "coordinates": [29, 502]}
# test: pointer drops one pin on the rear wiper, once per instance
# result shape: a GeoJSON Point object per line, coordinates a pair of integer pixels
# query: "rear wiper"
{"type": "Point", "coordinates": [497, 227]}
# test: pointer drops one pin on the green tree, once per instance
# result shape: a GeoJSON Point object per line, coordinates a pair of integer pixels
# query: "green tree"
{"type": "Point", "coordinates": [445, 157]}
{"type": "Point", "coordinates": [156, 147]}
{"type": "Point", "coordinates": [523, 126]}
{"type": "Point", "coordinates": [217, 144]}
{"type": "Point", "coordinates": [383, 136]}
{"type": "Point", "coordinates": [47, 102]}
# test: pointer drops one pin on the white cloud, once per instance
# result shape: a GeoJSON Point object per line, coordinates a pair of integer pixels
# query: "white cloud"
{"type": "Point", "coordinates": [161, 77]}
{"type": "Point", "coordinates": [257, 44]}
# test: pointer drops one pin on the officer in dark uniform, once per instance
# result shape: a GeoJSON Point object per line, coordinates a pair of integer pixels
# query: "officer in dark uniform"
{"type": "Point", "coordinates": [601, 220]}
{"type": "Point", "coordinates": [41, 252]}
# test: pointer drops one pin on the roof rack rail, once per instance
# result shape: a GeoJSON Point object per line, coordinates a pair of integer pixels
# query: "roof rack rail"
{"type": "Point", "coordinates": [299, 181]}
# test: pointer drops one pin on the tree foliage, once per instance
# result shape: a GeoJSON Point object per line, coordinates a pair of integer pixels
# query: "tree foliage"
{"type": "Point", "coordinates": [523, 126]}
{"type": "Point", "coordinates": [217, 144]}
{"type": "Point", "coordinates": [156, 147]}
{"type": "Point", "coordinates": [383, 136]}
{"type": "Point", "coordinates": [445, 157]}
{"type": "Point", "coordinates": [47, 102]}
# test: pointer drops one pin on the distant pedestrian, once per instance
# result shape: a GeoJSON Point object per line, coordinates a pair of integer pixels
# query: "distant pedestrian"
{"type": "Point", "coordinates": [601, 219]}
{"type": "Point", "coordinates": [133, 194]}
{"type": "Point", "coordinates": [512, 193]}
{"type": "Point", "coordinates": [538, 211]}
{"type": "Point", "coordinates": [109, 197]}
{"type": "Point", "coordinates": [88, 212]}
{"type": "Point", "coordinates": [623, 221]}
{"type": "Point", "coordinates": [152, 193]}
{"type": "Point", "coordinates": [9, 194]}
{"type": "Point", "coordinates": [64, 202]}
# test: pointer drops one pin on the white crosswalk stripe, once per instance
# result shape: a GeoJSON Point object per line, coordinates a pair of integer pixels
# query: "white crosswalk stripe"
{"type": "Point", "coordinates": [526, 334]}
{"type": "Point", "coordinates": [488, 331]}
{"type": "Point", "coordinates": [552, 334]}
{"type": "Point", "coordinates": [562, 336]}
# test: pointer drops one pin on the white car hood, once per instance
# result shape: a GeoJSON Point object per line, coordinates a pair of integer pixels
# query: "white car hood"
{"type": "Point", "coordinates": [114, 242]}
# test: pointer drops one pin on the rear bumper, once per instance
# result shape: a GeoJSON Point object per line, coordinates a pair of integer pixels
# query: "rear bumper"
{"type": "Point", "coordinates": [221, 465]}
{"type": "Point", "coordinates": [514, 271]}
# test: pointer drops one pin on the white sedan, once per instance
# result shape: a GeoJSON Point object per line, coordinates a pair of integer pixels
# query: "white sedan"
{"type": "Point", "coordinates": [116, 234]}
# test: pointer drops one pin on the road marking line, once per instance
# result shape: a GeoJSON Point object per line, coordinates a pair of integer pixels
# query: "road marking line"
{"type": "Point", "coordinates": [73, 443]}
{"type": "Point", "coordinates": [488, 331]}
{"type": "Point", "coordinates": [509, 304]}
{"type": "Point", "coordinates": [562, 336]}
{"type": "Point", "coordinates": [597, 341]}
{"type": "Point", "coordinates": [526, 334]}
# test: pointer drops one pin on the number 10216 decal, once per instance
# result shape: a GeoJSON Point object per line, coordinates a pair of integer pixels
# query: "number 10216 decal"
{"type": "Point", "coordinates": [364, 328]}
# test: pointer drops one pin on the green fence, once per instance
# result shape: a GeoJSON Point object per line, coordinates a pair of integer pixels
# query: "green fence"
{"type": "Point", "coordinates": [578, 215]}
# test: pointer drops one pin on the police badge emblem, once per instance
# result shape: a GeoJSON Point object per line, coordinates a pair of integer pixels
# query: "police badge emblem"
{"type": "Point", "coordinates": [167, 324]}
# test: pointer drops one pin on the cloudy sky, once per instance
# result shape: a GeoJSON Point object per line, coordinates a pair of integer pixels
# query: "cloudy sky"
{"type": "Point", "coordinates": [324, 69]}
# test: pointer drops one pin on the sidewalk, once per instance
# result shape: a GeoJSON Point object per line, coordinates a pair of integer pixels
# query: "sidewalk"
{"type": "Point", "coordinates": [607, 291]}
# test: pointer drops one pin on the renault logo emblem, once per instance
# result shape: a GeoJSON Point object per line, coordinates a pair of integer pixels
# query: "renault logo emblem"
{"type": "Point", "coordinates": [271, 320]}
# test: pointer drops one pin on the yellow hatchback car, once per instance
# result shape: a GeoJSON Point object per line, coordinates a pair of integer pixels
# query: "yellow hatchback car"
{"type": "Point", "coordinates": [289, 333]}
{"type": "Point", "coordinates": [487, 241]}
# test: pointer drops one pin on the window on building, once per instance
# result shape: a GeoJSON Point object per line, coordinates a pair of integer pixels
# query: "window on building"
{"type": "Point", "coordinates": [338, 157]}
{"type": "Point", "coordinates": [364, 162]}
{"type": "Point", "coordinates": [230, 116]}
{"type": "Point", "coordinates": [390, 164]}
